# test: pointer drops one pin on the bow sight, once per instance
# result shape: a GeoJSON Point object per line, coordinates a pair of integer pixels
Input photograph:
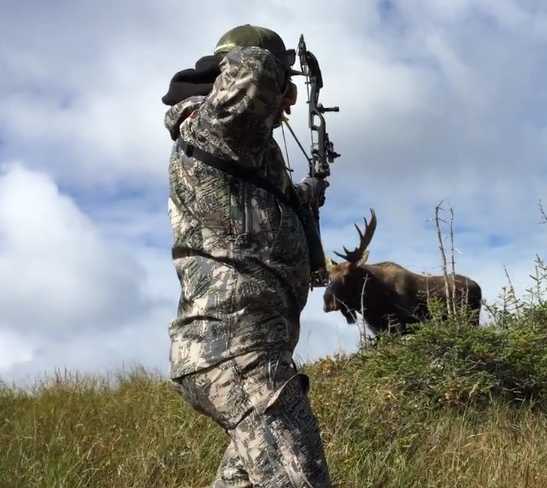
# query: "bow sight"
{"type": "Point", "coordinates": [322, 149]}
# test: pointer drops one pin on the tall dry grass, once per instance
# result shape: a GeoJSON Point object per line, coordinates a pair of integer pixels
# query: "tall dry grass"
{"type": "Point", "coordinates": [401, 414]}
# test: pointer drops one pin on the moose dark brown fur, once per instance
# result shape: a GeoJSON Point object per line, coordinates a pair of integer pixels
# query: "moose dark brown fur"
{"type": "Point", "coordinates": [387, 294]}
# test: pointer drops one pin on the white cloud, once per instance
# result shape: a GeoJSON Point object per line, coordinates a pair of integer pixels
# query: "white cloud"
{"type": "Point", "coordinates": [141, 342]}
{"type": "Point", "coordinates": [68, 296]}
{"type": "Point", "coordinates": [440, 100]}
{"type": "Point", "coordinates": [62, 274]}
{"type": "Point", "coordinates": [13, 349]}
{"type": "Point", "coordinates": [324, 334]}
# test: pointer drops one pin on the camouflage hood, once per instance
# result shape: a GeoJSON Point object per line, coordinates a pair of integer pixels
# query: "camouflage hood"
{"type": "Point", "coordinates": [176, 115]}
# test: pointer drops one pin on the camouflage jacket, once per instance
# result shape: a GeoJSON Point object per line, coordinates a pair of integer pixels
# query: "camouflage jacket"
{"type": "Point", "coordinates": [241, 255]}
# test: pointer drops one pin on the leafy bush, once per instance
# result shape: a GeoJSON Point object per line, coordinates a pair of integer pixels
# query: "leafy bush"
{"type": "Point", "coordinates": [461, 365]}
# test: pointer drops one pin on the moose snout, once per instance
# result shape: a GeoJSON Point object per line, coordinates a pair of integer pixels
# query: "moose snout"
{"type": "Point", "coordinates": [330, 303]}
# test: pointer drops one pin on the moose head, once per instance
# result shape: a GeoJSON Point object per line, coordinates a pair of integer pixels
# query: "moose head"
{"type": "Point", "coordinates": [387, 294]}
{"type": "Point", "coordinates": [344, 291]}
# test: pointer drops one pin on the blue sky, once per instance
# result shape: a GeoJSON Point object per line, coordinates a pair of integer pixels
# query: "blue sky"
{"type": "Point", "coordinates": [439, 99]}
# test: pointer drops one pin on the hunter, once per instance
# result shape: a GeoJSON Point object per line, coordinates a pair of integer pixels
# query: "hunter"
{"type": "Point", "coordinates": [241, 254]}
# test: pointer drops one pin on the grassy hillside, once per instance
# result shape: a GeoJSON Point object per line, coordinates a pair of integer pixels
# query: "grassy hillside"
{"type": "Point", "coordinates": [450, 406]}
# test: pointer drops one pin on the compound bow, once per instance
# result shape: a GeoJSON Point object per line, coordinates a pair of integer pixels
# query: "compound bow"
{"type": "Point", "coordinates": [322, 149]}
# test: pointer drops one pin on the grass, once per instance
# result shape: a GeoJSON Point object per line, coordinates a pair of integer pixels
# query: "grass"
{"type": "Point", "coordinates": [449, 406]}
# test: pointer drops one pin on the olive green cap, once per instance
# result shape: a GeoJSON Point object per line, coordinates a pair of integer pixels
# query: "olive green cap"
{"type": "Point", "coordinates": [252, 35]}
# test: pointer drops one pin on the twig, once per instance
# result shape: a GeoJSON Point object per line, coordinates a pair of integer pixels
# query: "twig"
{"type": "Point", "coordinates": [438, 208]}
{"type": "Point", "coordinates": [542, 213]}
{"type": "Point", "coordinates": [511, 294]}
{"type": "Point", "coordinates": [453, 260]}
{"type": "Point", "coordinates": [362, 329]}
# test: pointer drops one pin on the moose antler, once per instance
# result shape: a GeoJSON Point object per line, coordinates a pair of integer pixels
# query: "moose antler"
{"type": "Point", "coordinates": [359, 252]}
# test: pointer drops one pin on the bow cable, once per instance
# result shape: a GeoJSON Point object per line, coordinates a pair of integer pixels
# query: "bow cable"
{"type": "Point", "coordinates": [308, 158]}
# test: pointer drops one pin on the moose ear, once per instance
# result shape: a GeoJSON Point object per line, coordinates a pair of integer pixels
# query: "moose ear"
{"type": "Point", "coordinates": [363, 260]}
{"type": "Point", "coordinates": [329, 264]}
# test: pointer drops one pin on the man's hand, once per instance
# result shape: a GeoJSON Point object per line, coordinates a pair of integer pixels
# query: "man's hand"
{"type": "Point", "coordinates": [314, 190]}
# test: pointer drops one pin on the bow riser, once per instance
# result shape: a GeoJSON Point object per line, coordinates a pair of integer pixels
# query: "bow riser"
{"type": "Point", "coordinates": [322, 149]}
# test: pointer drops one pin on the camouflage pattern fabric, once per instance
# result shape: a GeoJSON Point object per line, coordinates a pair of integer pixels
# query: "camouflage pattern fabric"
{"type": "Point", "coordinates": [241, 255]}
{"type": "Point", "coordinates": [260, 400]}
{"type": "Point", "coordinates": [243, 263]}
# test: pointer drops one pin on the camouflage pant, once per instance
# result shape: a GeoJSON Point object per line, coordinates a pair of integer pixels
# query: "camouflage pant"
{"type": "Point", "coordinates": [261, 402]}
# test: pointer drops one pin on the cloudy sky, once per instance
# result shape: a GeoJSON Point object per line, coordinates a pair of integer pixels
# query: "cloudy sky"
{"type": "Point", "coordinates": [440, 100]}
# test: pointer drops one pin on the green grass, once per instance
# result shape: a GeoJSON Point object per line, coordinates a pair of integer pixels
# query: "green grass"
{"type": "Point", "coordinates": [450, 406]}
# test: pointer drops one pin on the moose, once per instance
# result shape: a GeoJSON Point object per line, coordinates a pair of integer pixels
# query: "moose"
{"type": "Point", "coordinates": [387, 294]}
